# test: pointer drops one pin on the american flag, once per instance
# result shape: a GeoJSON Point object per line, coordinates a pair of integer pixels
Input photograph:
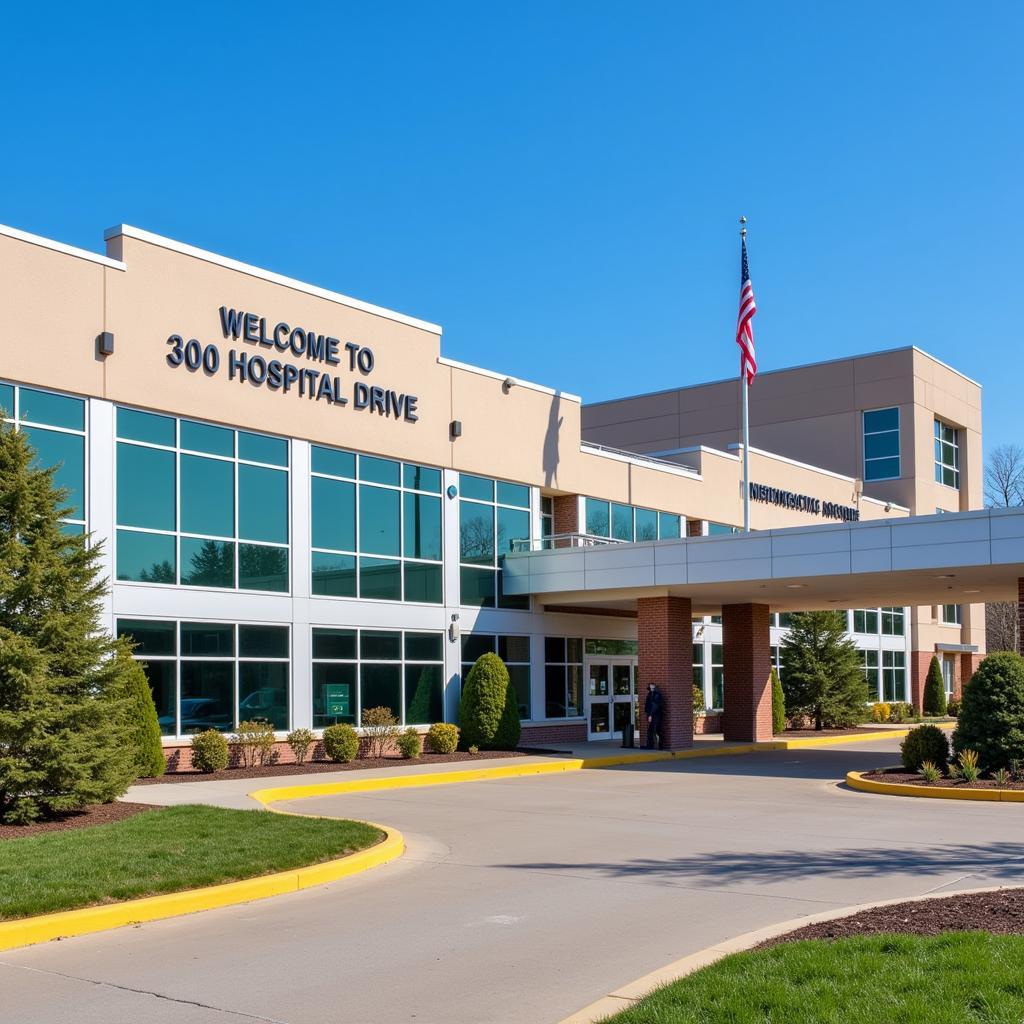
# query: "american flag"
{"type": "Point", "coordinates": [744, 327]}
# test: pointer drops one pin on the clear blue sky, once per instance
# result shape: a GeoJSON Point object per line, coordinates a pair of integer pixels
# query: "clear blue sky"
{"type": "Point", "coordinates": [558, 184]}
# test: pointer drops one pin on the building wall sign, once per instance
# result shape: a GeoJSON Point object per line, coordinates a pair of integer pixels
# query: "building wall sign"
{"type": "Point", "coordinates": [322, 382]}
{"type": "Point", "coordinates": [803, 503]}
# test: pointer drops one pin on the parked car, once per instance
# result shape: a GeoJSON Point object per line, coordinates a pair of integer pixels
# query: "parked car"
{"type": "Point", "coordinates": [197, 714]}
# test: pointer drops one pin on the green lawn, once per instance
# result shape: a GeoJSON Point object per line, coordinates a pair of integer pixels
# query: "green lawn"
{"type": "Point", "coordinates": [163, 851]}
{"type": "Point", "coordinates": [957, 978]}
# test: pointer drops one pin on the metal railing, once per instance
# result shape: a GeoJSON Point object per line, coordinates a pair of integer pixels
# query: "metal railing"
{"type": "Point", "coordinates": [558, 541]}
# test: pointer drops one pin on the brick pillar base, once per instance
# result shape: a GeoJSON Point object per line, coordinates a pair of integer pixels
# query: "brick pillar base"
{"type": "Point", "coordinates": [920, 662]}
{"type": "Point", "coordinates": [665, 636]}
{"type": "Point", "coordinates": [747, 714]}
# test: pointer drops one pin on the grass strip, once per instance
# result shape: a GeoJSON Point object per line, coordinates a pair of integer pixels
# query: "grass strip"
{"type": "Point", "coordinates": [161, 851]}
{"type": "Point", "coordinates": [954, 978]}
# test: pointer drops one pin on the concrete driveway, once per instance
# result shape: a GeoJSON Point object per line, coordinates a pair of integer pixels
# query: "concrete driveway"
{"type": "Point", "coordinates": [522, 900]}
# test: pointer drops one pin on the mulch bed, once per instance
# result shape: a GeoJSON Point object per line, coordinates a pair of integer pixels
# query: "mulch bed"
{"type": "Point", "coordinates": [316, 767]}
{"type": "Point", "coordinates": [903, 777]}
{"type": "Point", "coordinates": [1001, 913]}
{"type": "Point", "coordinates": [96, 814]}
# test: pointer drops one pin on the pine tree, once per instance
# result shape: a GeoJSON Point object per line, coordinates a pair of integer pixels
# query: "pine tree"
{"type": "Point", "coordinates": [822, 676]}
{"type": "Point", "coordinates": [63, 737]}
{"type": "Point", "coordinates": [778, 705]}
{"type": "Point", "coordinates": [142, 717]}
{"type": "Point", "coordinates": [934, 690]}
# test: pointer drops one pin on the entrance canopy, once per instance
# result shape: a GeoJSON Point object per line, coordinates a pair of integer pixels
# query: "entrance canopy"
{"type": "Point", "coordinates": [954, 558]}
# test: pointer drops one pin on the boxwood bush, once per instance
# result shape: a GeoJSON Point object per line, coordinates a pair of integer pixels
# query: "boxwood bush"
{"type": "Point", "coordinates": [341, 742]}
{"type": "Point", "coordinates": [485, 693]}
{"type": "Point", "coordinates": [209, 751]}
{"type": "Point", "coordinates": [409, 744]}
{"type": "Point", "coordinates": [443, 738]}
{"type": "Point", "coordinates": [925, 743]}
{"type": "Point", "coordinates": [991, 719]}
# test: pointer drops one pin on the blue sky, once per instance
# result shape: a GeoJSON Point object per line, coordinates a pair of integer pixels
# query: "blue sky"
{"type": "Point", "coordinates": [558, 185]}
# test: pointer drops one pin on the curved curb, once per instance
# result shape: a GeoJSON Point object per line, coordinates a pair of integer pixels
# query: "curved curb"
{"type": "Point", "coordinates": [628, 995]}
{"type": "Point", "coordinates": [70, 923]}
{"type": "Point", "coordinates": [856, 780]}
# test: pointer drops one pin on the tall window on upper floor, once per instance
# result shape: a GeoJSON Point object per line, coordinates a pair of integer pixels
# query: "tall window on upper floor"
{"type": "Point", "coordinates": [892, 621]}
{"type": "Point", "coordinates": [882, 444]}
{"type": "Point", "coordinates": [200, 505]}
{"type": "Point", "coordinates": [947, 455]}
{"type": "Point", "coordinates": [55, 427]}
{"type": "Point", "coordinates": [547, 520]}
{"type": "Point", "coordinates": [630, 523]}
{"type": "Point", "coordinates": [951, 615]}
{"type": "Point", "coordinates": [376, 528]}
{"type": "Point", "coordinates": [494, 519]}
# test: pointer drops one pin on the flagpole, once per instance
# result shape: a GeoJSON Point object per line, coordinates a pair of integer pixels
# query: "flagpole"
{"type": "Point", "coordinates": [745, 388]}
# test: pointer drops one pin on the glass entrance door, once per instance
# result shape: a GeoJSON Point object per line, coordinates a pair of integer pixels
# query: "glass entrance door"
{"type": "Point", "coordinates": [948, 667]}
{"type": "Point", "coordinates": [611, 690]}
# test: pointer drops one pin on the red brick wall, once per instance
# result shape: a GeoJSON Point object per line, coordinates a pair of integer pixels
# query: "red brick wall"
{"type": "Point", "coordinates": [968, 666]}
{"type": "Point", "coordinates": [748, 667]}
{"type": "Point", "coordinates": [665, 636]}
{"type": "Point", "coordinates": [919, 664]}
{"type": "Point", "coordinates": [709, 723]}
{"type": "Point", "coordinates": [565, 514]}
{"type": "Point", "coordinates": [694, 527]}
{"type": "Point", "coordinates": [569, 732]}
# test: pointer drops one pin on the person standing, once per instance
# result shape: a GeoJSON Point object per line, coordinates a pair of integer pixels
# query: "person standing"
{"type": "Point", "coordinates": [654, 709]}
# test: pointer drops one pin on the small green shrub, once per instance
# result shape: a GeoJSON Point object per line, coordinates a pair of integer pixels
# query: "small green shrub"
{"type": "Point", "coordinates": [934, 690]}
{"type": "Point", "coordinates": [969, 767]}
{"type": "Point", "coordinates": [341, 742]}
{"type": "Point", "coordinates": [485, 691]}
{"type": "Point", "coordinates": [991, 719]}
{"type": "Point", "coordinates": [473, 749]}
{"type": "Point", "coordinates": [953, 771]}
{"type": "Point", "coordinates": [698, 700]}
{"type": "Point", "coordinates": [209, 751]}
{"type": "Point", "coordinates": [778, 705]}
{"type": "Point", "coordinates": [896, 711]}
{"type": "Point", "coordinates": [1017, 769]}
{"type": "Point", "coordinates": [1001, 777]}
{"type": "Point", "coordinates": [925, 743]}
{"type": "Point", "coordinates": [301, 740]}
{"type": "Point", "coordinates": [929, 772]}
{"type": "Point", "coordinates": [380, 727]}
{"type": "Point", "coordinates": [409, 744]}
{"type": "Point", "coordinates": [443, 738]}
{"type": "Point", "coordinates": [255, 742]}
{"type": "Point", "coordinates": [953, 707]}
{"type": "Point", "coordinates": [880, 712]}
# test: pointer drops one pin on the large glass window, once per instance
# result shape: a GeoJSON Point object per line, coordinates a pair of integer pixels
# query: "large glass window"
{"type": "Point", "coordinates": [213, 675]}
{"type": "Point", "coordinates": [869, 660]}
{"type": "Point", "coordinates": [629, 523]}
{"type": "Point", "coordinates": [717, 676]}
{"type": "Point", "coordinates": [894, 676]}
{"type": "Point", "coordinates": [892, 621]}
{"type": "Point", "coordinates": [563, 676]}
{"type": "Point", "coordinates": [376, 528]}
{"type": "Point", "coordinates": [358, 669]}
{"type": "Point", "coordinates": [200, 505]}
{"type": "Point", "coordinates": [947, 455]}
{"type": "Point", "coordinates": [882, 444]}
{"type": "Point", "coordinates": [514, 651]}
{"type": "Point", "coordinates": [698, 670]}
{"type": "Point", "coordinates": [55, 427]}
{"type": "Point", "coordinates": [951, 615]}
{"type": "Point", "coordinates": [494, 519]}
{"type": "Point", "coordinates": [865, 620]}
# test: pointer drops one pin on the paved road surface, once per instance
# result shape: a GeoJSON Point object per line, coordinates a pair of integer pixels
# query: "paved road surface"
{"type": "Point", "coordinates": [521, 900]}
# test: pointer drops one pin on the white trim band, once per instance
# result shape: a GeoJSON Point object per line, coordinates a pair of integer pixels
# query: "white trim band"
{"type": "Point", "coordinates": [68, 250]}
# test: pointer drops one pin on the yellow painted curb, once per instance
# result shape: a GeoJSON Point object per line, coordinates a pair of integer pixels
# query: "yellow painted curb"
{"type": "Point", "coordinates": [856, 780]}
{"type": "Point", "coordinates": [66, 924]}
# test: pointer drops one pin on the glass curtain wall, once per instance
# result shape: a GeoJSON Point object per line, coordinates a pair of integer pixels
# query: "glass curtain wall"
{"type": "Point", "coordinates": [494, 518]}
{"type": "Point", "coordinates": [513, 650]}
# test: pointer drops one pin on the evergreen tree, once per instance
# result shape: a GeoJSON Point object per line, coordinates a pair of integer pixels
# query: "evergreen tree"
{"type": "Point", "coordinates": [63, 728]}
{"type": "Point", "coordinates": [934, 690]}
{"type": "Point", "coordinates": [506, 737]}
{"type": "Point", "coordinates": [142, 718]}
{"type": "Point", "coordinates": [822, 677]}
{"type": "Point", "coordinates": [484, 696]}
{"type": "Point", "coordinates": [778, 705]}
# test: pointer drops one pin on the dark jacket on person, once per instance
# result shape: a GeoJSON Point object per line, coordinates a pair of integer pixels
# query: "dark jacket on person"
{"type": "Point", "coordinates": [654, 703]}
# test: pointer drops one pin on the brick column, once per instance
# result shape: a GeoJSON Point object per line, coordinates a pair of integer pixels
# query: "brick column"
{"type": "Point", "coordinates": [748, 666]}
{"type": "Point", "coordinates": [920, 662]}
{"type": "Point", "coordinates": [968, 664]}
{"type": "Point", "coordinates": [694, 527]}
{"type": "Point", "coordinates": [564, 516]}
{"type": "Point", "coordinates": [665, 636]}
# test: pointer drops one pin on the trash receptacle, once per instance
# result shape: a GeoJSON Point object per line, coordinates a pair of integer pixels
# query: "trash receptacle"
{"type": "Point", "coordinates": [627, 734]}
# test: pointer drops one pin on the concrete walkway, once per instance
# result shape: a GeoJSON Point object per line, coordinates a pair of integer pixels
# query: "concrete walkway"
{"type": "Point", "coordinates": [522, 900]}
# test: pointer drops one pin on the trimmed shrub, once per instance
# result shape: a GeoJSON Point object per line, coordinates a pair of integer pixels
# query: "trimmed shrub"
{"type": "Point", "coordinates": [934, 689]}
{"type": "Point", "coordinates": [485, 692]}
{"type": "Point", "coordinates": [255, 741]}
{"type": "Point", "coordinates": [991, 719]}
{"type": "Point", "coordinates": [409, 744]}
{"type": "Point", "coordinates": [142, 719]}
{"type": "Point", "coordinates": [300, 740]}
{"type": "Point", "coordinates": [953, 707]}
{"type": "Point", "coordinates": [880, 712]}
{"type": "Point", "coordinates": [341, 742]}
{"type": "Point", "coordinates": [509, 728]}
{"type": "Point", "coordinates": [443, 738]}
{"type": "Point", "coordinates": [901, 712]}
{"type": "Point", "coordinates": [380, 727]}
{"type": "Point", "coordinates": [209, 751]}
{"type": "Point", "coordinates": [925, 743]}
{"type": "Point", "coordinates": [778, 705]}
